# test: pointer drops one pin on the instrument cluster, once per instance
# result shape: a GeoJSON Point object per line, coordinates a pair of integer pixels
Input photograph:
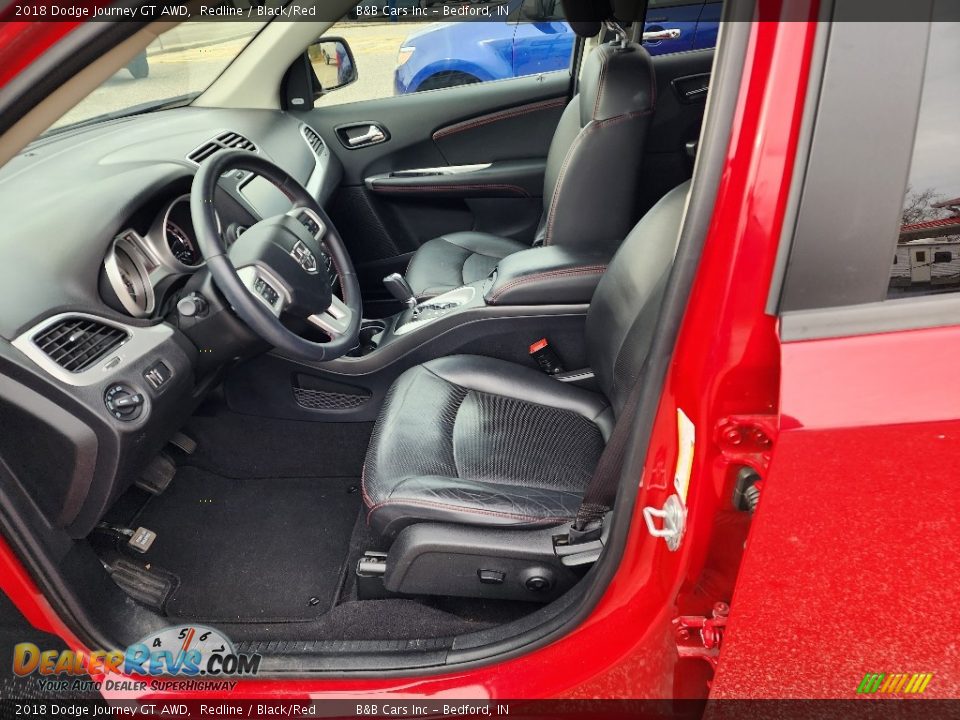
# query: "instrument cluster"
{"type": "Point", "coordinates": [137, 264]}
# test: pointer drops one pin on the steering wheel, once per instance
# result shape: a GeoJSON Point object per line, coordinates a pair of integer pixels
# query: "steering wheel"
{"type": "Point", "coordinates": [283, 265]}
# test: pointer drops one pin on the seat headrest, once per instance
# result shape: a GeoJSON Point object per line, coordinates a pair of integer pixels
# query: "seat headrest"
{"type": "Point", "coordinates": [616, 80]}
{"type": "Point", "coordinates": [586, 16]}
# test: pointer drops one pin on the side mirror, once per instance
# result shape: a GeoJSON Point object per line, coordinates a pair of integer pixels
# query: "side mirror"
{"type": "Point", "coordinates": [333, 63]}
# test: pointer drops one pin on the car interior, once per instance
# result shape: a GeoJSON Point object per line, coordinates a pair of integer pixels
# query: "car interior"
{"type": "Point", "coordinates": [347, 381]}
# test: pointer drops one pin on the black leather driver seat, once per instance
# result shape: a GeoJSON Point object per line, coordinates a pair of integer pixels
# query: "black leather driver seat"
{"type": "Point", "coordinates": [481, 441]}
{"type": "Point", "coordinates": [591, 176]}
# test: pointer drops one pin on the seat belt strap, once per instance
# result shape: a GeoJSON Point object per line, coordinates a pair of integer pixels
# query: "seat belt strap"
{"type": "Point", "coordinates": [601, 491]}
{"type": "Point", "coordinates": [602, 488]}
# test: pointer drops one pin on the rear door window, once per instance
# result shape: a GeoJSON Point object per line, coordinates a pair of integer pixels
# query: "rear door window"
{"type": "Point", "coordinates": [927, 257]}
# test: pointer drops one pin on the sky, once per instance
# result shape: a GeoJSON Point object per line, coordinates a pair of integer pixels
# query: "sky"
{"type": "Point", "coordinates": [936, 153]}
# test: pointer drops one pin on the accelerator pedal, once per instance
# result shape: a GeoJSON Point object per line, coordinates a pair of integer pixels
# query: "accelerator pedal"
{"type": "Point", "coordinates": [157, 475]}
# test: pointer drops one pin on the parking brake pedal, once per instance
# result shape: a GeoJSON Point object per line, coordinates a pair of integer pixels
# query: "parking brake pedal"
{"type": "Point", "coordinates": [138, 540]}
{"type": "Point", "coordinates": [157, 475]}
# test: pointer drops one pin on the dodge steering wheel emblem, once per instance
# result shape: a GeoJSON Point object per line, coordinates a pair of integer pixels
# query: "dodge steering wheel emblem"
{"type": "Point", "coordinates": [301, 253]}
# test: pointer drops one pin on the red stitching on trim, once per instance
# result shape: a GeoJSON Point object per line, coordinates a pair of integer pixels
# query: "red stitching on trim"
{"type": "Point", "coordinates": [516, 189]}
{"type": "Point", "coordinates": [600, 84]}
{"type": "Point", "coordinates": [496, 117]}
{"type": "Point", "coordinates": [586, 270]}
{"type": "Point", "coordinates": [556, 188]}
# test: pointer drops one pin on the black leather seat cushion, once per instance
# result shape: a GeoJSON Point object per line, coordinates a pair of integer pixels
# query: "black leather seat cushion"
{"type": "Point", "coordinates": [477, 440]}
{"type": "Point", "coordinates": [452, 260]}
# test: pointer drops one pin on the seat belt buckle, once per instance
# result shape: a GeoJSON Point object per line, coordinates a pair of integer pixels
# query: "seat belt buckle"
{"type": "Point", "coordinates": [546, 357]}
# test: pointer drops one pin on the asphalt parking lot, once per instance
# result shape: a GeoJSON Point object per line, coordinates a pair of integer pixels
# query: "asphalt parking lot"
{"type": "Point", "coordinates": [192, 55]}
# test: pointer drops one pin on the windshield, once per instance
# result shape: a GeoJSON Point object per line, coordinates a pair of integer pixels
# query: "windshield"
{"type": "Point", "coordinates": [179, 64]}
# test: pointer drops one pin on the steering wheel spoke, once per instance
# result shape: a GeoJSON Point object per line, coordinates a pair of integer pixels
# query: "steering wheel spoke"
{"type": "Point", "coordinates": [310, 220]}
{"type": "Point", "coordinates": [335, 321]}
{"type": "Point", "coordinates": [264, 285]}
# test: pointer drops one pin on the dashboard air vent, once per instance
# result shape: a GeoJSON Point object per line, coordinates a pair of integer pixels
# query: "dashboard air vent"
{"type": "Point", "coordinates": [313, 139]}
{"type": "Point", "coordinates": [227, 140]}
{"type": "Point", "coordinates": [77, 343]}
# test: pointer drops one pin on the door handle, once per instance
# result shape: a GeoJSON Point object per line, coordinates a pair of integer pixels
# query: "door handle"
{"type": "Point", "coordinates": [372, 136]}
{"type": "Point", "coordinates": [360, 135]}
{"type": "Point", "coordinates": [661, 35]}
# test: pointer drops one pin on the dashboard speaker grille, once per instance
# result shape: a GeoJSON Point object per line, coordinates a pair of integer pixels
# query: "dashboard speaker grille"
{"type": "Point", "coordinates": [228, 140]}
{"type": "Point", "coordinates": [313, 139]}
{"type": "Point", "coordinates": [77, 343]}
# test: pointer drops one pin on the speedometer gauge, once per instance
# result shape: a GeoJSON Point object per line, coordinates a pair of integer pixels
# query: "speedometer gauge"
{"type": "Point", "coordinates": [181, 245]}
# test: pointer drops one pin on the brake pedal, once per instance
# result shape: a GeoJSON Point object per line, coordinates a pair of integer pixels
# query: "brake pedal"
{"type": "Point", "coordinates": [157, 475]}
{"type": "Point", "coordinates": [151, 585]}
{"type": "Point", "coordinates": [138, 540]}
{"type": "Point", "coordinates": [184, 442]}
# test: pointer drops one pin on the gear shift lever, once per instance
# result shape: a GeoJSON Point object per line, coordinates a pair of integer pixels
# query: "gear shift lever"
{"type": "Point", "coordinates": [397, 285]}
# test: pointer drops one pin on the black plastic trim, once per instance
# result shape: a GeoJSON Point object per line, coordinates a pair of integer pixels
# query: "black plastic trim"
{"type": "Point", "coordinates": [811, 102]}
{"type": "Point", "coordinates": [847, 221]}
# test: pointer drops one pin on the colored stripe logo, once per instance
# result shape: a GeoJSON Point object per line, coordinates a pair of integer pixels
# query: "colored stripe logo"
{"type": "Point", "coordinates": [894, 683]}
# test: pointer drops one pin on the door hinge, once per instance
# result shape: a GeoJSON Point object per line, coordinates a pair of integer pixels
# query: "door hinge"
{"type": "Point", "coordinates": [699, 636]}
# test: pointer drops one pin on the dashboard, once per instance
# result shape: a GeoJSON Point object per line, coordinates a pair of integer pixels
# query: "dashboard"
{"type": "Point", "coordinates": [99, 247]}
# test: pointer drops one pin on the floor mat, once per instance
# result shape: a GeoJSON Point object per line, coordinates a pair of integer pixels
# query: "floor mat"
{"type": "Point", "coordinates": [264, 550]}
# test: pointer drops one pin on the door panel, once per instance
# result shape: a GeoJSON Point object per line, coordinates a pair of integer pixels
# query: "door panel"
{"type": "Point", "coordinates": [676, 122]}
{"type": "Point", "coordinates": [384, 217]}
{"type": "Point", "coordinates": [520, 131]}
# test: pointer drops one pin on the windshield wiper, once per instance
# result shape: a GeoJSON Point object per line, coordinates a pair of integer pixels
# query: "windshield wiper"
{"type": "Point", "coordinates": [141, 109]}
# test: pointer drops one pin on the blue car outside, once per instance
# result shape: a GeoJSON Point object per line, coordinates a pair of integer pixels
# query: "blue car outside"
{"type": "Point", "coordinates": [461, 53]}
